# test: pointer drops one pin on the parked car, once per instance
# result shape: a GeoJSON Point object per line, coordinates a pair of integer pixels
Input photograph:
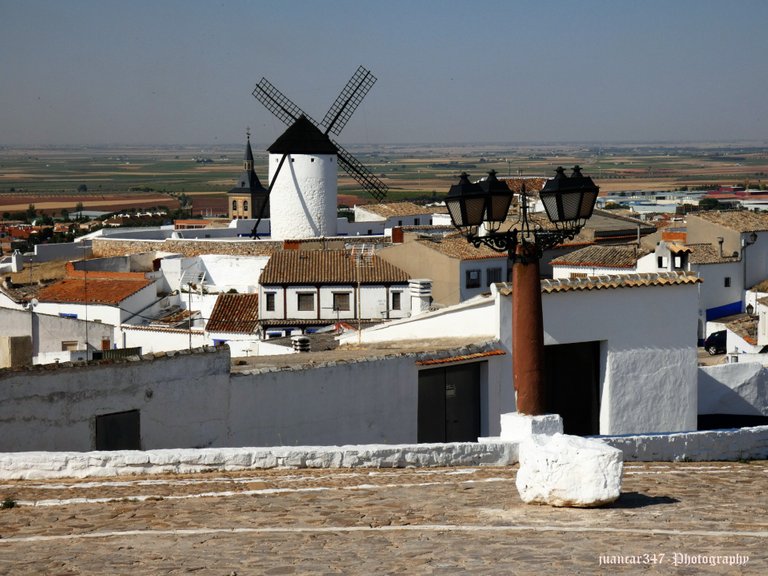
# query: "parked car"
{"type": "Point", "coordinates": [715, 343]}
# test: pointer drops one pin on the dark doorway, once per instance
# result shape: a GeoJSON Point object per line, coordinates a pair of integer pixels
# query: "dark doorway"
{"type": "Point", "coordinates": [118, 431]}
{"type": "Point", "coordinates": [449, 404]}
{"type": "Point", "coordinates": [572, 375]}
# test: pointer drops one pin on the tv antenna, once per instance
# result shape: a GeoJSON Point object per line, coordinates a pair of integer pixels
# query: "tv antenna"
{"type": "Point", "coordinates": [334, 121]}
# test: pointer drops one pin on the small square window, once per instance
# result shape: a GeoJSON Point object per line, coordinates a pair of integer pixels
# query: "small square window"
{"type": "Point", "coordinates": [727, 282]}
{"type": "Point", "coordinates": [270, 303]}
{"type": "Point", "coordinates": [493, 275]}
{"type": "Point", "coordinates": [306, 301]}
{"type": "Point", "coordinates": [396, 297]}
{"type": "Point", "coordinates": [341, 301]}
{"type": "Point", "coordinates": [473, 279]}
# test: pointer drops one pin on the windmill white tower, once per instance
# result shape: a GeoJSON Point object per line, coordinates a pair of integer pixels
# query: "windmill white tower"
{"type": "Point", "coordinates": [304, 190]}
{"type": "Point", "coordinates": [303, 162]}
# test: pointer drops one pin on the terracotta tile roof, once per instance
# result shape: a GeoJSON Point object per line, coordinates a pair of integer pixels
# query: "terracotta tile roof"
{"type": "Point", "coordinates": [737, 220]}
{"type": "Point", "coordinates": [679, 248]}
{"type": "Point", "coordinates": [456, 246]}
{"type": "Point", "coordinates": [534, 184]}
{"type": "Point", "coordinates": [237, 313]}
{"type": "Point", "coordinates": [328, 267]}
{"type": "Point", "coordinates": [391, 209]}
{"type": "Point", "coordinates": [745, 326]}
{"type": "Point", "coordinates": [708, 254]}
{"type": "Point", "coordinates": [96, 291]}
{"type": "Point", "coordinates": [462, 358]}
{"type": "Point", "coordinates": [549, 286]}
{"type": "Point", "coordinates": [603, 257]}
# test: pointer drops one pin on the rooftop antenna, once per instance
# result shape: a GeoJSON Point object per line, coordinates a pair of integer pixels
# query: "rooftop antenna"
{"type": "Point", "coordinates": [334, 122]}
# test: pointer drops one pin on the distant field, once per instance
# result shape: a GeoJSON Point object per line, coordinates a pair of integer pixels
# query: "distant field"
{"type": "Point", "coordinates": [137, 177]}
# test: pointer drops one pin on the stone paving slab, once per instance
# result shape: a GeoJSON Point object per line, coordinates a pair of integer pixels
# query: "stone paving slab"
{"type": "Point", "coordinates": [670, 519]}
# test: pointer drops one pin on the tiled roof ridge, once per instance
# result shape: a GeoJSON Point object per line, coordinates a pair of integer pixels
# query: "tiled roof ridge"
{"type": "Point", "coordinates": [634, 280]}
{"type": "Point", "coordinates": [618, 281]}
{"type": "Point", "coordinates": [607, 256]}
{"type": "Point", "coordinates": [149, 357]}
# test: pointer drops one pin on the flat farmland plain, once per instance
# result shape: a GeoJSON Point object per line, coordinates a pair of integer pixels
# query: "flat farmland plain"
{"type": "Point", "coordinates": [115, 178]}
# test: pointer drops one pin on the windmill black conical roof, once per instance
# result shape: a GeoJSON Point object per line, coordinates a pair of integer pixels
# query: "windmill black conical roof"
{"type": "Point", "coordinates": [302, 137]}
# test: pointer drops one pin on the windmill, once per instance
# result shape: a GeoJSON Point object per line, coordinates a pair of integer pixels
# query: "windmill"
{"type": "Point", "coordinates": [334, 122]}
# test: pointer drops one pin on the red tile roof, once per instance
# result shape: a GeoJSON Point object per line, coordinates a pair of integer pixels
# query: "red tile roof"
{"type": "Point", "coordinates": [329, 267]}
{"type": "Point", "coordinates": [602, 257]}
{"type": "Point", "coordinates": [237, 313]}
{"type": "Point", "coordinates": [91, 291]}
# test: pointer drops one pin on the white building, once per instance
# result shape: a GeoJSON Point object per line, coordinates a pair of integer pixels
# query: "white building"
{"type": "Point", "coordinates": [304, 288]}
{"type": "Point", "coordinates": [303, 172]}
{"type": "Point", "coordinates": [616, 363]}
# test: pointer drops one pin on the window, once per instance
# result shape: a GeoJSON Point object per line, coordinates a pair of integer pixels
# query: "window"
{"type": "Point", "coordinates": [575, 275]}
{"type": "Point", "coordinates": [341, 301]}
{"type": "Point", "coordinates": [492, 275]}
{"type": "Point", "coordinates": [68, 345]}
{"type": "Point", "coordinates": [234, 205]}
{"type": "Point", "coordinates": [661, 261]}
{"type": "Point", "coordinates": [306, 301]}
{"type": "Point", "coordinates": [396, 300]}
{"type": "Point", "coordinates": [473, 279]}
{"type": "Point", "coordinates": [270, 301]}
{"type": "Point", "coordinates": [245, 205]}
{"type": "Point", "coordinates": [118, 431]}
{"type": "Point", "coordinates": [416, 221]}
{"type": "Point", "coordinates": [727, 282]}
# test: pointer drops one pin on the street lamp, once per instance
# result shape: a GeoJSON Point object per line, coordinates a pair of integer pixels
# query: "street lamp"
{"type": "Point", "coordinates": [480, 212]}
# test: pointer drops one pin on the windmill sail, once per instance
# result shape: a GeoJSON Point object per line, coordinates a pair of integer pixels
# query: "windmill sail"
{"type": "Point", "coordinates": [357, 170]}
{"type": "Point", "coordinates": [278, 103]}
{"type": "Point", "coordinates": [345, 105]}
{"type": "Point", "coordinates": [334, 121]}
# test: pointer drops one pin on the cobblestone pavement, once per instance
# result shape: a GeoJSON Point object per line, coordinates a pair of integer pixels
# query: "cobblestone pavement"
{"type": "Point", "coordinates": [670, 519]}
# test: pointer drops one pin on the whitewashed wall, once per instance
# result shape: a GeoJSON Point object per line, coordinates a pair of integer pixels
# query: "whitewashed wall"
{"type": "Point", "coordinates": [56, 409]}
{"type": "Point", "coordinates": [190, 400]}
{"type": "Point", "coordinates": [153, 340]}
{"type": "Point", "coordinates": [303, 198]}
{"type": "Point", "coordinates": [559, 272]}
{"type": "Point", "coordinates": [374, 301]}
{"type": "Point", "coordinates": [48, 332]}
{"type": "Point", "coordinates": [114, 315]}
{"type": "Point", "coordinates": [224, 272]}
{"type": "Point", "coordinates": [712, 292]}
{"type": "Point", "coordinates": [648, 362]}
{"type": "Point", "coordinates": [483, 266]}
{"type": "Point", "coordinates": [740, 388]}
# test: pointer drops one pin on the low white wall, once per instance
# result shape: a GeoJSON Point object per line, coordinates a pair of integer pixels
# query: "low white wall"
{"type": "Point", "coordinates": [740, 388]}
{"type": "Point", "coordinates": [39, 465]}
{"type": "Point", "coordinates": [717, 445]}
{"type": "Point", "coordinates": [733, 444]}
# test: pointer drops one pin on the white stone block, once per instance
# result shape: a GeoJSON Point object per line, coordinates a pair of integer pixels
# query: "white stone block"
{"type": "Point", "coordinates": [517, 427]}
{"type": "Point", "coordinates": [564, 470]}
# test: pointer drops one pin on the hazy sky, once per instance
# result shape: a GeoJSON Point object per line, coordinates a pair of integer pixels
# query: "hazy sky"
{"type": "Point", "coordinates": [182, 71]}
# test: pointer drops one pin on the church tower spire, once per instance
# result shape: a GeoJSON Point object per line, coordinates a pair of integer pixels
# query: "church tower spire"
{"type": "Point", "coordinates": [248, 199]}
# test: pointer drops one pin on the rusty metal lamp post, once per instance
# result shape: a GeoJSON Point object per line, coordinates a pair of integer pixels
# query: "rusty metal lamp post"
{"type": "Point", "coordinates": [479, 211]}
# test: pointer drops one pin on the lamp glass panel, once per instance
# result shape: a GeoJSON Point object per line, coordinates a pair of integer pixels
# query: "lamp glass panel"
{"type": "Point", "coordinates": [454, 209]}
{"type": "Point", "coordinates": [498, 207]}
{"type": "Point", "coordinates": [587, 203]}
{"type": "Point", "coordinates": [571, 205]}
{"type": "Point", "coordinates": [475, 210]}
{"type": "Point", "coordinates": [550, 205]}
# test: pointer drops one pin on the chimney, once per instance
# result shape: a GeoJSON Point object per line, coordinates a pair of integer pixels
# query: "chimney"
{"type": "Point", "coordinates": [17, 261]}
{"type": "Point", "coordinates": [421, 295]}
